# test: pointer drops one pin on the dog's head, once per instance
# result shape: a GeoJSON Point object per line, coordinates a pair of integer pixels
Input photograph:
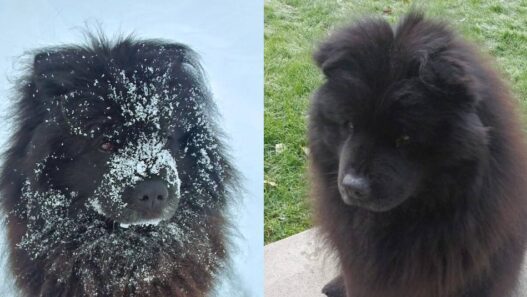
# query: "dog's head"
{"type": "Point", "coordinates": [118, 127]}
{"type": "Point", "coordinates": [397, 111]}
{"type": "Point", "coordinates": [116, 177]}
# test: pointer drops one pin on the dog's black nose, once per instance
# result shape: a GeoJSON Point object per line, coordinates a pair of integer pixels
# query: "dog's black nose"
{"type": "Point", "coordinates": [151, 195]}
{"type": "Point", "coordinates": [355, 187]}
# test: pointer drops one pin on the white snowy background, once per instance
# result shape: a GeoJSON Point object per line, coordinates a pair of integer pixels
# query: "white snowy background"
{"type": "Point", "coordinates": [228, 35]}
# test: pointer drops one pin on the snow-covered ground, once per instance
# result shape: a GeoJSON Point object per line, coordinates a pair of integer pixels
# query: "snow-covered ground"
{"type": "Point", "coordinates": [227, 34]}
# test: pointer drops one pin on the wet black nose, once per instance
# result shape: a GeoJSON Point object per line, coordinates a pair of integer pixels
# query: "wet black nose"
{"type": "Point", "coordinates": [150, 195]}
{"type": "Point", "coordinates": [355, 187]}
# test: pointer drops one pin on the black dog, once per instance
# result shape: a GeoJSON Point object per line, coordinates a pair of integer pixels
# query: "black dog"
{"type": "Point", "coordinates": [115, 181]}
{"type": "Point", "coordinates": [419, 164]}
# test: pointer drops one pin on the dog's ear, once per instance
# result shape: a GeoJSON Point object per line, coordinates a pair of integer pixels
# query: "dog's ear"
{"type": "Point", "coordinates": [359, 50]}
{"type": "Point", "coordinates": [453, 77]}
{"type": "Point", "coordinates": [432, 52]}
{"type": "Point", "coordinates": [332, 60]}
{"type": "Point", "coordinates": [162, 55]}
{"type": "Point", "coordinates": [53, 70]}
{"type": "Point", "coordinates": [176, 60]}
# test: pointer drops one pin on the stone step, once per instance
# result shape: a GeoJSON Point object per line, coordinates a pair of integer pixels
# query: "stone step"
{"type": "Point", "coordinates": [299, 266]}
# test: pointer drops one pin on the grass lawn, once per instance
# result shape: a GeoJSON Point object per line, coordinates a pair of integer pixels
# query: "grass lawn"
{"type": "Point", "coordinates": [292, 29]}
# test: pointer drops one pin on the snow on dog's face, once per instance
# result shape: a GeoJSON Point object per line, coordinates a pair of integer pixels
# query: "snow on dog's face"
{"type": "Point", "coordinates": [141, 180]}
{"type": "Point", "coordinates": [120, 122]}
{"type": "Point", "coordinates": [125, 147]}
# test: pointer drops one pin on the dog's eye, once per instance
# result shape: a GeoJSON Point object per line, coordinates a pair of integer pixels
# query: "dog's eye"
{"type": "Point", "coordinates": [107, 146]}
{"type": "Point", "coordinates": [402, 141]}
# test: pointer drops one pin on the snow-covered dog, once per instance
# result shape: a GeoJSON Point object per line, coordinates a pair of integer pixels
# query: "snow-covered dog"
{"type": "Point", "coordinates": [115, 180]}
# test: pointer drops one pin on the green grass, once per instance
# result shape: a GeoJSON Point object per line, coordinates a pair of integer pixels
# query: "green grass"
{"type": "Point", "coordinates": [292, 30]}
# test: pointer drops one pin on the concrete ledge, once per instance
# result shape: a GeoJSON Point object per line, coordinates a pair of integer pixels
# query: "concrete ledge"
{"type": "Point", "coordinates": [298, 266]}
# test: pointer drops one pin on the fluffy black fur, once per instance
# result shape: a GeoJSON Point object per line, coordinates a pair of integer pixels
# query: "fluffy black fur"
{"type": "Point", "coordinates": [91, 122]}
{"type": "Point", "coordinates": [419, 164]}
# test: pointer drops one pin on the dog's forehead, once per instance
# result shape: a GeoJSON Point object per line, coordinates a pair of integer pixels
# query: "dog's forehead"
{"type": "Point", "coordinates": [146, 96]}
{"type": "Point", "coordinates": [148, 90]}
{"type": "Point", "coordinates": [143, 97]}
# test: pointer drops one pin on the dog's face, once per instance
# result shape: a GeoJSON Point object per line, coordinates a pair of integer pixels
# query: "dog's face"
{"type": "Point", "coordinates": [392, 118]}
{"type": "Point", "coordinates": [124, 133]}
{"type": "Point", "coordinates": [122, 153]}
